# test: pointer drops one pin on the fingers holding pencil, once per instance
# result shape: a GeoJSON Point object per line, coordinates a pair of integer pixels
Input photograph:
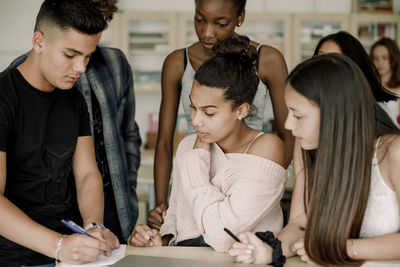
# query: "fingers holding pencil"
{"type": "Point", "coordinates": [250, 249]}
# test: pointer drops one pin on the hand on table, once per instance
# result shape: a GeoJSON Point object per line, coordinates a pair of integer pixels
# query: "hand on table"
{"type": "Point", "coordinates": [144, 236]}
{"type": "Point", "coordinates": [250, 249]}
{"type": "Point", "coordinates": [156, 216]}
{"type": "Point", "coordinates": [299, 249]}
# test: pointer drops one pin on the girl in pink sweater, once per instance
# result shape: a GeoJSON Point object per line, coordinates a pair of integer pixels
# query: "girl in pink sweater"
{"type": "Point", "coordinates": [227, 174]}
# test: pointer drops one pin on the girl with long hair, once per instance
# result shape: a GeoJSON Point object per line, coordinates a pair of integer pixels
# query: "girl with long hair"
{"type": "Point", "coordinates": [345, 205]}
{"type": "Point", "coordinates": [214, 20]}
{"type": "Point", "coordinates": [344, 43]}
{"type": "Point", "coordinates": [227, 174]}
{"type": "Point", "coordinates": [385, 54]}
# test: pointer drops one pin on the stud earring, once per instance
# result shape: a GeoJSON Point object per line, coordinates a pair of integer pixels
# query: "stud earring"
{"type": "Point", "coordinates": [239, 24]}
{"type": "Point", "coordinates": [239, 118]}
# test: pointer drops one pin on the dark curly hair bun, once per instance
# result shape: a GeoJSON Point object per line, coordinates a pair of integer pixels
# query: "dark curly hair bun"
{"type": "Point", "coordinates": [237, 48]}
{"type": "Point", "coordinates": [233, 69]}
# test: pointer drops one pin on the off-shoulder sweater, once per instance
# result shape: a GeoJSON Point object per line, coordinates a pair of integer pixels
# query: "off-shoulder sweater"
{"type": "Point", "coordinates": [212, 190]}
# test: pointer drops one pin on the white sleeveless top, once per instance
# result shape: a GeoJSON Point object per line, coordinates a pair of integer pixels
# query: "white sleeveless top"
{"type": "Point", "coordinates": [382, 214]}
{"type": "Point", "coordinates": [255, 121]}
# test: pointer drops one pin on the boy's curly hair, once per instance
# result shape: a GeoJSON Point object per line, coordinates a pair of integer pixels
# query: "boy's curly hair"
{"type": "Point", "coordinates": [106, 7]}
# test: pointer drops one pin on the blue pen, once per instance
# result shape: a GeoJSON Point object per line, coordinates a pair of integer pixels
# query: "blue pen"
{"type": "Point", "coordinates": [74, 227]}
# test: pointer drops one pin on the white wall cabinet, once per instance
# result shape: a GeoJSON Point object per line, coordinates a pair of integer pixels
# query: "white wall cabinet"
{"type": "Point", "coordinates": [148, 37]}
{"type": "Point", "coordinates": [112, 35]}
{"type": "Point", "coordinates": [272, 29]}
{"type": "Point", "coordinates": [186, 33]}
{"type": "Point", "coordinates": [368, 29]}
{"type": "Point", "coordinates": [308, 29]}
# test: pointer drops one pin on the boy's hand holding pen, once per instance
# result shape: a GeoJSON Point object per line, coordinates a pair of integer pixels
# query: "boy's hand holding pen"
{"type": "Point", "coordinates": [78, 248]}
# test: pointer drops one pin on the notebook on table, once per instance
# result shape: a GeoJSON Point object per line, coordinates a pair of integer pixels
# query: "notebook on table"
{"type": "Point", "coordinates": [103, 261]}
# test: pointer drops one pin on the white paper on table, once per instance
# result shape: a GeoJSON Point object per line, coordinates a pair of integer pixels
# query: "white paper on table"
{"type": "Point", "coordinates": [117, 254]}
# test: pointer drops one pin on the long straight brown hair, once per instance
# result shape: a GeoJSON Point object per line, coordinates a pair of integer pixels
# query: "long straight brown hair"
{"type": "Point", "coordinates": [338, 173]}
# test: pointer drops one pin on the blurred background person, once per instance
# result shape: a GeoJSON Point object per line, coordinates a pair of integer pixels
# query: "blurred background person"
{"type": "Point", "coordinates": [385, 54]}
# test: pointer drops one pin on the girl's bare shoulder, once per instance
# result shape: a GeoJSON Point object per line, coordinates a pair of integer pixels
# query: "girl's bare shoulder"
{"type": "Point", "coordinates": [269, 54]}
{"type": "Point", "coordinates": [271, 63]}
{"type": "Point", "coordinates": [269, 146]}
{"type": "Point", "coordinates": [175, 57]}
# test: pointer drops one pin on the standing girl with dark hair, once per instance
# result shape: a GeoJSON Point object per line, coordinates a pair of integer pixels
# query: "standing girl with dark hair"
{"type": "Point", "coordinates": [228, 175]}
{"type": "Point", "coordinates": [386, 57]}
{"type": "Point", "coordinates": [214, 20]}
{"type": "Point", "coordinates": [345, 205]}
{"type": "Point", "coordinates": [344, 43]}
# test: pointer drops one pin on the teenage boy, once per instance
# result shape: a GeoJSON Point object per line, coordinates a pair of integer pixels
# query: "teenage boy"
{"type": "Point", "coordinates": [107, 87]}
{"type": "Point", "coordinates": [46, 152]}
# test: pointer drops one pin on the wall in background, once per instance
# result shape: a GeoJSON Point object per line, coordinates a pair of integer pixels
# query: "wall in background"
{"type": "Point", "coordinates": [17, 20]}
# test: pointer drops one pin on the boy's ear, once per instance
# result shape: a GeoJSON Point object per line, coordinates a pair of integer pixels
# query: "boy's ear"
{"type": "Point", "coordinates": [38, 41]}
{"type": "Point", "coordinates": [243, 110]}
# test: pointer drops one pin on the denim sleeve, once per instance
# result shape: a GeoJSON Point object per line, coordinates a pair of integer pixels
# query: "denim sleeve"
{"type": "Point", "coordinates": [130, 129]}
{"type": "Point", "coordinates": [16, 62]}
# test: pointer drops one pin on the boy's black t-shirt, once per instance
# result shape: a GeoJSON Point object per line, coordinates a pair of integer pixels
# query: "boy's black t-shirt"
{"type": "Point", "coordinates": [39, 132]}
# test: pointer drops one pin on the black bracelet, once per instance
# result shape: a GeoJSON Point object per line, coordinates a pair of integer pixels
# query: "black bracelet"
{"type": "Point", "coordinates": [268, 237]}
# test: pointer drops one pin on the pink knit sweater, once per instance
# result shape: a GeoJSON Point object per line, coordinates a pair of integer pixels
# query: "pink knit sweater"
{"type": "Point", "coordinates": [213, 190]}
